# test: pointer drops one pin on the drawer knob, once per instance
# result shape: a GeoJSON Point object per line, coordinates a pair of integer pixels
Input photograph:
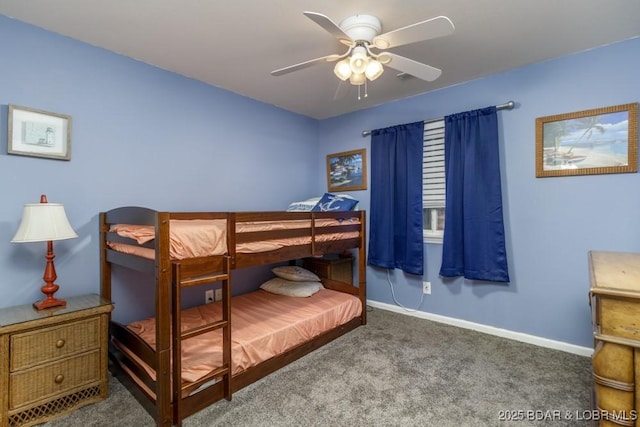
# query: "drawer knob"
{"type": "Point", "coordinates": [59, 378]}
{"type": "Point", "coordinates": [60, 343]}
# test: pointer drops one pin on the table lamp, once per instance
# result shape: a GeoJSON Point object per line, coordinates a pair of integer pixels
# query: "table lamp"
{"type": "Point", "coordinates": [45, 222]}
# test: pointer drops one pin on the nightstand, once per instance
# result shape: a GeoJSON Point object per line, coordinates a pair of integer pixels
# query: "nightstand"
{"type": "Point", "coordinates": [52, 361]}
{"type": "Point", "coordinates": [332, 267]}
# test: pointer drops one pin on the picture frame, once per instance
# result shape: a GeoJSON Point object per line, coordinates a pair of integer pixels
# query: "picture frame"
{"type": "Point", "coordinates": [347, 171]}
{"type": "Point", "coordinates": [38, 133]}
{"type": "Point", "coordinates": [598, 141]}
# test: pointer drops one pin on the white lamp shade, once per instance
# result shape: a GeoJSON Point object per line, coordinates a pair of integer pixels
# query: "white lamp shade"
{"type": "Point", "coordinates": [357, 79]}
{"type": "Point", "coordinates": [359, 60]}
{"type": "Point", "coordinates": [42, 222]}
{"type": "Point", "coordinates": [342, 70]}
{"type": "Point", "coordinates": [374, 70]}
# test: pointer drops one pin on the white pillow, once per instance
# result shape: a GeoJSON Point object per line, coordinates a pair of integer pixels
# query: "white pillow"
{"type": "Point", "coordinates": [307, 205]}
{"type": "Point", "coordinates": [304, 205]}
{"type": "Point", "coordinates": [295, 273]}
{"type": "Point", "coordinates": [292, 289]}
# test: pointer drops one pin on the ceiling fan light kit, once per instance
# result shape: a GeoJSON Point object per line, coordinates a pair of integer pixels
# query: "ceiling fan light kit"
{"type": "Point", "coordinates": [361, 33]}
{"type": "Point", "coordinates": [359, 68]}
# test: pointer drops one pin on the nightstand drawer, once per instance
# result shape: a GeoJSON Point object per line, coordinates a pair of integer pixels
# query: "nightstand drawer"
{"type": "Point", "coordinates": [44, 345]}
{"type": "Point", "coordinates": [337, 268]}
{"type": "Point", "coordinates": [54, 379]}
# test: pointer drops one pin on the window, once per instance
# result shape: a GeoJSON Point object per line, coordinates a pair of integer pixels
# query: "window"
{"type": "Point", "coordinates": [433, 181]}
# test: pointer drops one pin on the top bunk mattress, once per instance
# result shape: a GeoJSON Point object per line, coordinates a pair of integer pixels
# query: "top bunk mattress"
{"type": "Point", "coordinates": [263, 325]}
{"type": "Point", "coordinates": [199, 238]}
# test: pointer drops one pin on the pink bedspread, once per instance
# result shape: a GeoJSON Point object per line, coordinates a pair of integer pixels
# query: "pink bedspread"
{"type": "Point", "coordinates": [263, 325]}
{"type": "Point", "coordinates": [198, 238]}
{"type": "Point", "coordinates": [187, 238]}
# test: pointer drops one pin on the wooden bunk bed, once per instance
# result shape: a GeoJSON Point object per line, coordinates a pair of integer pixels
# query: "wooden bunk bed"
{"type": "Point", "coordinates": [154, 372]}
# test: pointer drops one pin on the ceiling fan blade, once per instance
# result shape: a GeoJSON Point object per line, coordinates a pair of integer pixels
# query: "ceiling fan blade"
{"type": "Point", "coordinates": [430, 29]}
{"type": "Point", "coordinates": [330, 26]}
{"type": "Point", "coordinates": [414, 68]}
{"type": "Point", "coordinates": [306, 64]}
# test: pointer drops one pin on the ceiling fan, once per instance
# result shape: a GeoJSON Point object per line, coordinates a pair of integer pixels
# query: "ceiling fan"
{"type": "Point", "coordinates": [361, 34]}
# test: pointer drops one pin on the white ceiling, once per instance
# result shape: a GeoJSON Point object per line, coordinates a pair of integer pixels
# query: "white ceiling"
{"type": "Point", "coordinates": [235, 44]}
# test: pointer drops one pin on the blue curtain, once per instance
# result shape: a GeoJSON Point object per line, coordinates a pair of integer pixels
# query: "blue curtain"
{"type": "Point", "coordinates": [395, 236]}
{"type": "Point", "coordinates": [474, 244]}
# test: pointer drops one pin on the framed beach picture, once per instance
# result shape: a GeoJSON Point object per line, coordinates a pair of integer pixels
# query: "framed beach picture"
{"type": "Point", "coordinates": [599, 141]}
{"type": "Point", "coordinates": [347, 171]}
{"type": "Point", "coordinates": [38, 133]}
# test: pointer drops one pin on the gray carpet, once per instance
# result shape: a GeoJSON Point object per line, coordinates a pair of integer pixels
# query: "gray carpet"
{"type": "Point", "coordinates": [396, 371]}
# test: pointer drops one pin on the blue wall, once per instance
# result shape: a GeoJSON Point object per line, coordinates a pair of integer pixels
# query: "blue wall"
{"type": "Point", "coordinates": [144, 136]}
{"type": "Point", "coordinates": [141, 136]}
{"type": "Point", "coordinates": [551, 223]}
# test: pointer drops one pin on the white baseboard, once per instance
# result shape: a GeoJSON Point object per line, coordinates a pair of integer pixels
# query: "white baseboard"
{"type": "Point", "coordinates": [504, 333]}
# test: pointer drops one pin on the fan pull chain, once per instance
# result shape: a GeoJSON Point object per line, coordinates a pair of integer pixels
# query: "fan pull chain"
{"type": "Point", "coordinates": [365, 90]}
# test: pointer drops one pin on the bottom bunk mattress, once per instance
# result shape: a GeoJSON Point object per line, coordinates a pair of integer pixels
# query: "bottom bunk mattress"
{"type": "Point", "coordinates": [263, 325]}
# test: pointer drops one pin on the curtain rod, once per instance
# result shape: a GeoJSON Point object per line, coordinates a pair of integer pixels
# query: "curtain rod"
{"type": "Point", "coordinates": [506, 106]}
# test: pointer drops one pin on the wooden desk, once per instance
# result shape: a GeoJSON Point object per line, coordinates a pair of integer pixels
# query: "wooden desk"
{"type": "Point", "coordinates": [615, 305]}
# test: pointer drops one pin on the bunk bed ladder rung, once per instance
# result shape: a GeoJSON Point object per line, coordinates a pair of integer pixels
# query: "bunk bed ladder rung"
{"type": "Point", "coordinates": [203, 329]}
{"type": "Point", "coordinates": [196, 281]}
{"type": "Point", "coordinates": [189, 388]}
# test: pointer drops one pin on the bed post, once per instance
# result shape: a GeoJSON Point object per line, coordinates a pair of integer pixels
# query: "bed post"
{"type": "Point", "coordinates": [164, 415]}
{"type": "Point", "coordinates": [362, 266]}
{"type": "Point", "coordinates": [231, 237]}
{"type": "Point", "coordinates": [105, 267]}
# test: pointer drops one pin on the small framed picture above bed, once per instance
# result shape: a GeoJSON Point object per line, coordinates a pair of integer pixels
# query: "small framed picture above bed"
{"type": "Point", "coordinates": [347, 171]}
{"type": "Point", "coordinates": [38, 133]}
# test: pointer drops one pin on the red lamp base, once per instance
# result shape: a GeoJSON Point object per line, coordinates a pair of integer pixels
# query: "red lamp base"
{"type": "Point", "coordinates": [49, 288]}
{"type": "Point", "coordinates": [49, 303]}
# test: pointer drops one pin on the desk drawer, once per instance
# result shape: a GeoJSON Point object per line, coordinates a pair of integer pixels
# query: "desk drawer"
{"type": "Point", "coordinates": [619, 317]}
{"type": "Point", "coordinates": [44, 345]}
{"type": "Point", "coordinates": [53, 379]}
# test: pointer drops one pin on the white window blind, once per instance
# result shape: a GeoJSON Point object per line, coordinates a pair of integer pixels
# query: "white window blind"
{"type": "Point", "coordinates": [433, 181]}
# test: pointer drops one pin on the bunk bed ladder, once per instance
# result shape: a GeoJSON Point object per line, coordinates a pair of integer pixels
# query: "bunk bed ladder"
{"type": "Point", "coordinates": [223, 323]}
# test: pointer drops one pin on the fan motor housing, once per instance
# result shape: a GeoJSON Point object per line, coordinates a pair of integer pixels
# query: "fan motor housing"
{"type": "Point", "coordinates": [361, 27]}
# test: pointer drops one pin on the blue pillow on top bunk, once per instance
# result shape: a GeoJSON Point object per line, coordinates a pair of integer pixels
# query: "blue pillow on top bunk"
{"type": "Point", "coordinates": [335, 202]}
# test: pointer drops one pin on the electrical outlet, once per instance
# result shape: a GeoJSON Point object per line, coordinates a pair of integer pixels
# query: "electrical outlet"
{"type": "Point", "coordinates": [218, 294]}
{"type": "Point", "coordinates": [426, 287]}
{"type": "Point", "coordinates": [208, 296]}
